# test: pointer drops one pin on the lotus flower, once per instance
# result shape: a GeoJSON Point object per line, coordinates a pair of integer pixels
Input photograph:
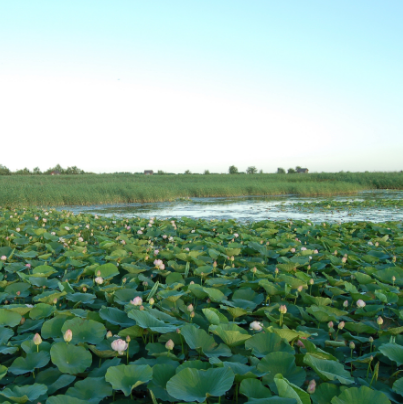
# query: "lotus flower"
{"type": "Point", "coordinates": [99, 280]}
{"type": "Point", "coordinates": [360, 303]}
{"type": "Point", "coordinates": [137, 301]}
{"type": "Point", "coordinates": [256, 326]}
{"type": "Point", "coordinates": [119, 346]}
{"type": "Point", "coordinates": [283, 309]}
{"type": "Point", "coordinates": [311, 387]}
{"type": "Point", "coordinates": [3, 258]}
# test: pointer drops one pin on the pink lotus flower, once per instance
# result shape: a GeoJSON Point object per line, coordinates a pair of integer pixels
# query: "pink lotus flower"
{"type": "Point", "coordinates": [3, 258]}
{"type": "Point", "coordinates": [283, 309]}
{"type": "Point", "coordinates": [139, 232]}
{"type": "Point", "coordinates": [303, 248]}
{"type": "Point", "coordinates": [137, 301]}
{"type": "Point", "coordinates": [156, 252]}
{"type": "Point", "coordinates": [164, 236]}
{"type": "Point", "coordinates": [293, 250]}
{"type": "Point", "coordinates": [99, 280]}
{"type": "Point", "coordinates": [236, 235]}
{"type": "Point", "coordinates": [311, 387]}
{"type": "Point", "coordinates": [119, 346]}
{"type": "Point", "coordinates": [256, 326]}
{"type": "Point", "coordinates": [360, 303]}
{"type": "Point", "coordinates": [159, 264]}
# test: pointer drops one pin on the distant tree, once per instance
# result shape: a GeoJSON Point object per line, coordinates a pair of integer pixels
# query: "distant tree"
{"type": "Point", "coordinates": [260, 171]}
{"type": "Point", "coordinates": [188, 172]}
{"type": "Point", "coordinates": [233, 170]}
{"type": "Point", "coordinates": [251, 170]}
{"type": "Point", "coordinates": [291, 171]}
{"type": "Point", "coordinates": [160, 172]}
{"type": "Point", "coordinates": [280, 170]}
{"type": "Point", "coordinates": [4, 170]}
{"type": "Point", "coordinates": [37, 171]}
{"type": "Point", "coordinates": [297, 168]}
{"type": "Point", "coordinates": [206, 172]}
{"type": "Point", "coordinates": [24, 171]}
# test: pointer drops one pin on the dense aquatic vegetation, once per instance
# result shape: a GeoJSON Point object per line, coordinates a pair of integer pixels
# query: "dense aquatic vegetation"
{"type": "Point", "coordinates": [100, 310]}
{"type": "Point", "coordinates": [31, 190]}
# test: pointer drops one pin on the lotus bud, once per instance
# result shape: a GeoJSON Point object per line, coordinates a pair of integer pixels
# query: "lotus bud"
{"type": "Point", "coordinates": [152, 301]}
{"type": "Point", "coordinates": [18, 293]}
{"type": "Point", "coordinates": [3, 258]}
{"type": "Point", "coordinates": [192, 314]}
{"type": "Point", "coordinates": [84, 289]}
{"type": "Point", "coordinates": [128, 339]}
{"type": "Point", "coordinates": [22, 321]}
{"type": "Point", "coordinates": [119, 346]}
{"type": "Point", "coordinates": [283, 309]}
{"type": "Point", "coordinates": [169, 345]}
{"type": "Point", "coordinates": [68, 335]}
{"type": "Point", "coordinates": [292, 250]}
{"type": "Point", "coordinates": [109, 334]}
{"type": "Point", "coordinates": [124, 280]}
{"type": "Point", "coordinates": [178, 330]}
{"type": "Point", "coordinates": [137, 301]}
{"type": "Point", "coordinates": [379, 320]}
{"type": "Point", "coordinates": [345, 303]}
{"type": "Point", "coordinates": [308, 267]}
{"type": "Point", "coordinates": [344, 260]}
{"type": "Point", "coordinates": [351, 345]}
{"type": "Point", "coordinates": [300, 344]}
{"type": "Point", "coordinates": [214, 264]}
{"type": "Point", "coordinates": [311, 387]}
{"type": "Point", "coordinates": [371, 340]}
{"type": "Point", "coordinates": [276, 271]}
{"type": "Point", "coordinates": [254, 270]}
{"type": "Point", "coordinates": [311, 281]}
{"type": "Point", "coordinates": [98, 273]}
{"type": "Point", "coordinates": [256, 326]}
{"type": "Point", "coordinates": [394, 278]}
{"type": "Point", "coordinates": [190, 308]}
{"type": "Point", "coordinates": [360, 303]}
{"type": "Point", "coordinates": [191, 283]}
{"type": "Point", "coordinates": [394, 259]}
{"type": "Point", "coordinates": [330, 324]}
{"type": "Point", "coordinates": [341, 325]}
{"type": "Point", "coordinates": [37, 339]}
{"type": "Point", "coordinates": [141, 307]}
{"type": "Point", "coordinates": [300, 288]}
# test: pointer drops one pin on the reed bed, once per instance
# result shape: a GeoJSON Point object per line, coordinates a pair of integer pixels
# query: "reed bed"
{"type": "Point", "coordinates": [88, 189]}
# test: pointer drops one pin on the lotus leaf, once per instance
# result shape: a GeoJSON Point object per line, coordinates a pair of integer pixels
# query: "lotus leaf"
{"type": "Point", "coordinates": [70, 359]}
{"type": "Point", "coordinates": [361, 395]}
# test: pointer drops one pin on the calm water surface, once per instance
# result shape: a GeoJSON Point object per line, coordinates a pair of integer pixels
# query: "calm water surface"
{"type": "Point", "coordinates": [256, 208]}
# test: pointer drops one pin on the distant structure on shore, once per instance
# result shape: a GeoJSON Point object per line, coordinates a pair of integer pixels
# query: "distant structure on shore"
{"type": "Point", "coordinates": [148, 172]}
{"type": "Point", "coordinates": [302, 170]}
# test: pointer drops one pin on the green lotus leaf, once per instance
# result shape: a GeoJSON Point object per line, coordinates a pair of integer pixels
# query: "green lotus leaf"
{"type": "Point", "coordinates": [147, 320]}
{"type": "Point", "coordinates": [84, 298]}
{"type": "Point", "coordinates": [21, 288]}
{"type": "Point", "coordinates": [41, 310]}
{"type": "Point", "coordinates": [243, 371]}
{"type": "Point", "coordinates": [115, 316]}
{"type": "Point", "coordinates": [3, 371]}
{"type": "Point", "coordinates": [196, 385]}
{"type": "Point", "coordinates": [44, 270]}
{"type": "Point", "coordinates": [83, 330]}
{"type": "Point", "coordinates": [101, 371]}
{"type": "Point", "coordinates": [107, 271]}
{"type": "Point", "coordinates": [397, 386]}
{"type": "Point", "coordinates": [53, 328]}
{"type": "Point", "coordinates": [253, 388]}
{"type": "Point", "coordinates": [69, 358]}
{"type": "Point", "coordinates": [162, 373]}
{"type": "Point", "coordinates": [281, 363]}
{"type": "Point", "coordinates": [64, 399]}
{"type": "Point", "coordinates": [231, 334]}
{"type": "Point", "coordinates": [393, 351]}
{"type": "Point", "coordinates": [324, 393]}
{"type": "Point", "coordinates": [31, 362]}
{"type": "Point", "coordinates": [195, 364]}
{"type": "Point", "coordinates": [54, 379]}
{"type": "Point", "coordinates": [247, 299]}
{"type": "Point", "coordinates": [9, 318]}
{"type": "Point", "coordinates": [128, 377]}
{"type": "Point", "coordinates": [265, 343]}
{"type": "Point", "coordinates": [91, 389]}
{"type": "Point", "coordinates": [328, 370]}
{"type": "Point", "coordinates": [361, 395]}
{"type": "Point", "coordinates": [273, 400]}
{"type": "Point", "coordinates": [23, 394]}
{"type": "Point", "coordinates": [290, 390]}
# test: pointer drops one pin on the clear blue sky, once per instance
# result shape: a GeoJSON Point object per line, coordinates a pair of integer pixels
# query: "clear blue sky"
{"type": "Point", "coordinates": [175, 85]}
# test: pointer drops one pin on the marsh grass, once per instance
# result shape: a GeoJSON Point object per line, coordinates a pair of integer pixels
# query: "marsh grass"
{"type": "Point", "coordinates": [126, 188]}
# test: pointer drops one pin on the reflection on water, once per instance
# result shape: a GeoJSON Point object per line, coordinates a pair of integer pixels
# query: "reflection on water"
{"type": "Point", "coordinates": [256, 208]}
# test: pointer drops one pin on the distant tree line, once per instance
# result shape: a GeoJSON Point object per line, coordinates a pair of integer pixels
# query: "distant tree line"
{"type": "Point", "coordinates": [58, 170]}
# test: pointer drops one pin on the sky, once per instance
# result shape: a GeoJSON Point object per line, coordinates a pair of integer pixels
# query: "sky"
{"type": "Point", "coordinates": [134, 85]}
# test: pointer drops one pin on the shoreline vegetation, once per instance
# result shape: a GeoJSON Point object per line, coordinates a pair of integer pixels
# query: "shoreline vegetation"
{"type": "Point", "coordinates": [89, 189]}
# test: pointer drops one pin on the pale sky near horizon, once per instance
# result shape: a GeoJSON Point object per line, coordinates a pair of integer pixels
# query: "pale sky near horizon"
{"type": "Point", "coordinates": [173, 85]}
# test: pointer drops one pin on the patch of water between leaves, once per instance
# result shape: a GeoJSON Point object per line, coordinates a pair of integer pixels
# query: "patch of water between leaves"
{"type": "Point", "coordinates": [256, 208]}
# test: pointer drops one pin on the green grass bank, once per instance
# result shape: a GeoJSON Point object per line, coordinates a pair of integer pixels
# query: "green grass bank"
{"type": "Point", "coordinates": [32, 190]}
